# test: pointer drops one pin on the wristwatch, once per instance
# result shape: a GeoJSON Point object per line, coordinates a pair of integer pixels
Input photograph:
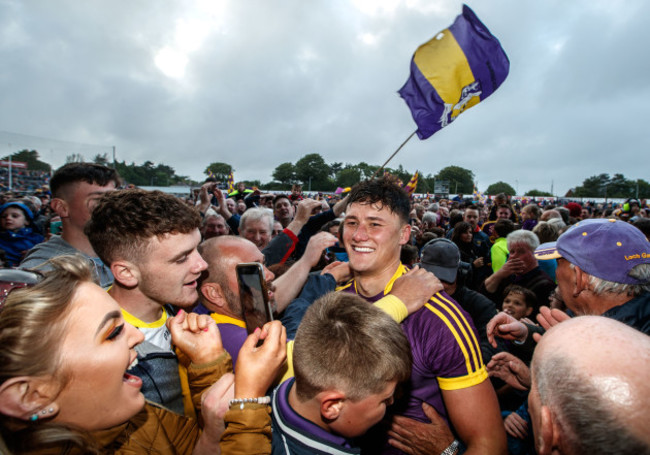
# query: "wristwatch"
{"type": "Point", "coordinates": [452, 449]}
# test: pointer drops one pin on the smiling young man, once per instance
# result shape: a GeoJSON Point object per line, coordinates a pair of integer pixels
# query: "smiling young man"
{"type": "Point", "coordinates": [149, 240]}
{"type": "Point", "coordinates": [448, 372]}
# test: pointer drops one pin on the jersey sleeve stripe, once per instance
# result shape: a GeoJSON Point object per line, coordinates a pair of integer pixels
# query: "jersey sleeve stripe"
{"type": "Point", "coordinates": [463, 382]}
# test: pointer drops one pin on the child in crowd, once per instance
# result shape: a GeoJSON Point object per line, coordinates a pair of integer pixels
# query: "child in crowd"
{"type": "Point", "coordinates": [16, 234]}
{"type": "Point", "coordinates": [518, 301]}
{"type": "Point", "coordinates": [348, 358]}
{"type": "Point", "coordinates": [530, 216]}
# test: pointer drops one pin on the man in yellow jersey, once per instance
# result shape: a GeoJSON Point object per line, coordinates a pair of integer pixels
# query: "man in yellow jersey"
{"type": "Point", "coordinates": [448, 372]}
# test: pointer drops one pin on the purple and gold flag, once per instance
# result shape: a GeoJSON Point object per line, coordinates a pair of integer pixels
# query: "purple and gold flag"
{"type": "Point", "coordinates": [231, 183]}
{"type": "Point", "coordinates": [412, 184]}
{"type": "Point", "coordinates": [460, 67]}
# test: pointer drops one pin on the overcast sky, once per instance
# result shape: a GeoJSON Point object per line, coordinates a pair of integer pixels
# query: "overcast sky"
{"type": "Point", "coordinates": [258, 83]}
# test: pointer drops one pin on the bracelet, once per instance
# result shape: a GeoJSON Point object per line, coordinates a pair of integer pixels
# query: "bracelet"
{"type": "Point", "coordinates": [452, 449]}
{"type": "Point", "coordinates": [242, 401]}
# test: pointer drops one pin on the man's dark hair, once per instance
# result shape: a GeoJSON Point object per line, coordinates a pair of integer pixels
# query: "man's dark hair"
{"type": "Point", "coordinates": [280, 196]}
{"type": "Point", "coordinates": [82, 172]}
{"type": "Point", "coordinates": [384, 191]}
{"type": "Point", "coordinates": [503, 227]}
{"type": "Point", "coordinates": [530, 299]}
{"type": "Point", "coordinates": [643, 224]}
{"type": "Point", "coordinates": [124, 220]}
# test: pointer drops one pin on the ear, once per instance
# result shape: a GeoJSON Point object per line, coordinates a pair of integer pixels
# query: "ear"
{"type": "Point", "coordinates": [213, 296]}
{"type": "Point", "coordinates": [331, 404]}
{"type": "Point", "coordinates": [126, 273]}
{"type": "Point", "coordinates": [546, 440]}
{"type": "Point", "coordinates": [60, 207]}
{"type": "Point", "coordinates": [405, 234]}
{"type": "Point", "coordinates": [25, 396]}
{"type": "Point", "coordinates": [529, 310]}
{"type": "Point", "coordinates": [582, 280]}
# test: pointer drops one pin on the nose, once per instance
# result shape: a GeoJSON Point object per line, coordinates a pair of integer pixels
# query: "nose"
{"type": "Point", "coordinates": [268, 275]}
{"type": "Point", "coordinates": [134, 336]}
{"type": "Point", "coordinates": [200, 265]}
{"type": "Point", "coordinates": [360, 233]}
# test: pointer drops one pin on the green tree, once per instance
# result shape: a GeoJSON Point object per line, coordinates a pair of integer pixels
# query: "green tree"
{"type": "Point", "coordinates": [348, 177]}
{"type": "Point", "coordinates": [312, 171]}
{"type": "Point", "coordinates": [500, 187]}
{"type": "Point", "coordinates": [641, 189]}
{"type": "Point", "coordinates": [594, 186]}
{"type": "Point", "coordinates": [335, 168]}
{"type": "Point", "coordinates": [535, 193]}
{"type": "Point", "coordinates": [220, 170]}
{"type": "Point", "coordinates": [32, 159]}
{"type": "Point", "coordinates": [461, 180]}
{"type": "Point", "coordinates": [75, 158]}
{"type": "Point", "coordinates": [101, 159]}
{"type": "Point", "coordinates": [619, 186]}
{"type": "Point", "coordinates": [285, 173]}
{"type": "Point", "coordinates": [367, 170]}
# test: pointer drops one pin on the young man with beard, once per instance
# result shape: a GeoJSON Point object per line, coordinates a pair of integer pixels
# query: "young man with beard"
{"type": "Point", "coordinates": [448, 372]}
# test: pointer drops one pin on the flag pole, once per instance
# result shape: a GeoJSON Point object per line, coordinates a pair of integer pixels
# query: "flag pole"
{"type": "Point", "coordinates": [394, 153]}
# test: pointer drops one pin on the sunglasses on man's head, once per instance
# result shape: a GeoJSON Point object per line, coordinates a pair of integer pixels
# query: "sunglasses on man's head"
{"type": "Point", "coordinates": [11, 279]}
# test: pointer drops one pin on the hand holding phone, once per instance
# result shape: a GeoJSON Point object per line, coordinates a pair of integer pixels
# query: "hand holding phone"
{"type": "Point", "coordinates": [253, 295]}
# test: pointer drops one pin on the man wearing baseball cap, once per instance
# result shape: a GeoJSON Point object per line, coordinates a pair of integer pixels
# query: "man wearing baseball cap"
{"type": "Point", "coordinates": [603, 268]}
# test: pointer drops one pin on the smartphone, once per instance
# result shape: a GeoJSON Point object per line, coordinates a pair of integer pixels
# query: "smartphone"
{"type": "Point", "coordinates": [253, 295]}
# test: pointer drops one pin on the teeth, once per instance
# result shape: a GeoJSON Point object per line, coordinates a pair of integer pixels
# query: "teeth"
{"type": "Point", "coordinates": [133, 364]}
{"type": "Point", "coordinates": [363, 249]}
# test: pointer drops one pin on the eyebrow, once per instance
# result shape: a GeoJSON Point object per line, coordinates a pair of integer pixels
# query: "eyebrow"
{"type": "Point", "coordinates": [109, 317]}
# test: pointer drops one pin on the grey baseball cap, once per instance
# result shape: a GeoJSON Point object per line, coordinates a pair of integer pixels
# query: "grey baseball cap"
{"type": "Point", "coordinates": [441, 257]}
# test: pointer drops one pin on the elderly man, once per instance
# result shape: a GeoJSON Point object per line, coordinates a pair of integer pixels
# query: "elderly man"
{"type": "Point", "coordinates": [256, 225]}
{"type": "Point", "coordinates": [603, 269]}
{"type": "Point", "coordinates": [213, 225]}
{"type": "Point", "coordinates": [590, 391]}
{"type": "Point", "coordinates": [521, 268]}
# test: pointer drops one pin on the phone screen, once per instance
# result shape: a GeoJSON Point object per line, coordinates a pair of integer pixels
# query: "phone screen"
{"type": "Point", "coordinates": [253, 295]}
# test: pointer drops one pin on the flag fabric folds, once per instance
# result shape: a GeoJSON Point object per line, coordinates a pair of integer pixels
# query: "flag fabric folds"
{"type": "Point", "coordinates": [478, 196]}
{"type": "Point", "coordinates": [461, 66]}
{"type": "Point", "coordinates": [412, 184]}
{"type": "Point", "coordinates": [231, 183]}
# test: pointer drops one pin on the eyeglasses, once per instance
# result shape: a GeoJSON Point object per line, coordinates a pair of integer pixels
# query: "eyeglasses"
{"type": "Point", "coordinates": [11, 279]}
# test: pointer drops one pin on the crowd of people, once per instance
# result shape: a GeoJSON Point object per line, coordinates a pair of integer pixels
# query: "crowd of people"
{"type": "Point", "coordinates": [402, 324]}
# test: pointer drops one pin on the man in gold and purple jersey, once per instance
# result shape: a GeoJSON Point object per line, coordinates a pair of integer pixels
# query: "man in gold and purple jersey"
{"type": "Point", "coordinates": [448, 372]}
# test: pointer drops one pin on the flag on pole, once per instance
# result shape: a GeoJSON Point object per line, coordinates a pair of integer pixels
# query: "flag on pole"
{"type": "Point", "coordinates": [478, 196]}
{"type": "Point", "coordinates": [412, 184]}
{"type": "Point", "coordinates": [460, 67]}
{"type": "Point", "coordinates": [231, 183]}
{"type": "Point", "coordinates": [210, 174]}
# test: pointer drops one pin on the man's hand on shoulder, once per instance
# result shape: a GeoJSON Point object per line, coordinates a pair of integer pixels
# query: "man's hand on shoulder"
{"type": "Point", "coordinates": [415, 288]}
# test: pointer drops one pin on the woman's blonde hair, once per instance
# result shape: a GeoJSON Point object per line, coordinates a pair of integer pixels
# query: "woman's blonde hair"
{"type": "Point", "coordinates": [33, 323]}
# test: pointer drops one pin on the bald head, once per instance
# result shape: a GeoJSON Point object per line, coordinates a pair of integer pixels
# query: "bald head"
{"type": "Point", "coordinates": [218, 284]}
{"type": "Point", "coordinates": [548, 214]}
{"type": "Point", "coordinates": [590, 388]}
